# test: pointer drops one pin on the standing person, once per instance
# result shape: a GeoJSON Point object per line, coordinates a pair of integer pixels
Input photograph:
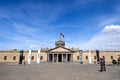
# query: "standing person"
{"type": "Point", "coordinates": [102, 65]}
{"type": "Point", "coordinates": [119, 60]}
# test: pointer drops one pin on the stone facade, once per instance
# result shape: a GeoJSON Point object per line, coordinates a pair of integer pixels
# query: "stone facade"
{"type": "Point", "coordinates": [59, 54]}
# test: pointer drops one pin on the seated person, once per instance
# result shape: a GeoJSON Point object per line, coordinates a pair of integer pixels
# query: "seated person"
{"type": "Point", "coordinates": [114, 61]}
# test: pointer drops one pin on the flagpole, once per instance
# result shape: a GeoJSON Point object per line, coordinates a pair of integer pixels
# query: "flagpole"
{"type": "Point", "coordinates": [60, 36]}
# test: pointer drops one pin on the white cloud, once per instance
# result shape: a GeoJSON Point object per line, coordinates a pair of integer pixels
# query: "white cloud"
{"type": "Point", "coordinates": [112, 28]}
{"type": "Point", "coordinates": [107, 39]}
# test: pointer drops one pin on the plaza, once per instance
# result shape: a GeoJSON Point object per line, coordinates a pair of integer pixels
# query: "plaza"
{"type": "Point", "coordinates": [55, 71]}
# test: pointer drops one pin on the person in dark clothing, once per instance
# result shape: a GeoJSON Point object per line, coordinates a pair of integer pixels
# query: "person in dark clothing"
{"type": "Point", "coordinates": [102, 65]}
{"type": "Point", "coordinates": [114, 61]}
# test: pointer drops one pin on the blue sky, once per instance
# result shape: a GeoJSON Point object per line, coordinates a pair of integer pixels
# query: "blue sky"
{"type": "Point", "coordinates": [35, 24]}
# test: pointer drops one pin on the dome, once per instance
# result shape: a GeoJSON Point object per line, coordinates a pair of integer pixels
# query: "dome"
{"type": "Point", "coordinates": [60, 43]}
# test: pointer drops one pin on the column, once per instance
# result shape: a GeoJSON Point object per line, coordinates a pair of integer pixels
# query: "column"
{"type": "Point", "coordinates": [48, 57]}
{"type": "Point", "coordinates": [66, 57]}
{"type": "Point", "coordinates": [29, 57]}
{"type": "Point", "coordinates": [57, 57]}
{"type": "Point", "coordinates": [38, 57]}
{"type": "Point", "coordinates": [70, 57]}
{"type": "Point", "coordinates": [53, 57]}
{"type": "Point", "coordinates": [90, 61]}
{"type": "Point", "coordinates": [62, 57]}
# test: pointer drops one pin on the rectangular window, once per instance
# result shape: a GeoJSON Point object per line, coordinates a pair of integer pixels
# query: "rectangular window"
{"type": "Point", "coordinates": [41, 57]}
{"type": "Point", "coordinates": [5, 57]}
{"type": "Point", "coordinates": [78, 58]}
{"type": "Point", "coordinates": [111, 57]}
{"type": "Point", "coordinates": [14, 57]}
{"type": "Point", "coordinates": [86, 57]}
{"type": "Point", "coordinates": [94, 57]}
{"type": "Point", "coordinates": [32, 58]}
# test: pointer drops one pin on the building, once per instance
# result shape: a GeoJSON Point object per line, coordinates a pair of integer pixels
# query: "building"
{"type": "Point", "coordinates": [59, 54]}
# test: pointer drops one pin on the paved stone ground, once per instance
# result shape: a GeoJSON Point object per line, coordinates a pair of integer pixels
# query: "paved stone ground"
{"type": "Point", "coordinates": [58, 72]}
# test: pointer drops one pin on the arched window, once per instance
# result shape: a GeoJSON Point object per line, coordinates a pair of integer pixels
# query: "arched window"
{"type": "Point", "coordinates": [14, 57]}
{"type": "Point", "coordinates": [94, 57]}
{"type": "Point", "coordinates": [5, 57]}
{"type": "Point", "coordinates": [41, 57]}
{"type": "Point", "coordinates": [111, 57]}
{"type": "Point", "coordinates": [86, 57]}
{"type": "Point", "coordinates": [78, 58]}
{"type": "Point", "coordinates": [32, 58]}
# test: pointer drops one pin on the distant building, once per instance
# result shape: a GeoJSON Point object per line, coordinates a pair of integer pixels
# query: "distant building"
{"type": "Point", "coordinates": [59, 54]}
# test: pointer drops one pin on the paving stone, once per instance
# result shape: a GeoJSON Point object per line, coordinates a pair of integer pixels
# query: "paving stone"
{"type": "Point", "coordinates": [58, 72]}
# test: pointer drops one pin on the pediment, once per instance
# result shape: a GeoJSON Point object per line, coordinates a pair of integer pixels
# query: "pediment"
{"type": "Point", "coordinates": [60, 49]}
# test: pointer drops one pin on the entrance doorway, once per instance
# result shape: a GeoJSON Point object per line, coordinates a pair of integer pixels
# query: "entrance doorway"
{"type": "Point", "coordinates": [50, 58]}
{"type": "Point", "coordinates": [69, 57]}
{"type": "Point", "coordinates": [59, 57]}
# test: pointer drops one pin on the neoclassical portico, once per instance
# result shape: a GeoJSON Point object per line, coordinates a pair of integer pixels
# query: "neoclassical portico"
{"type": "Point", "coordinates": [60, 54]}
{"type": "Point", "coordinates": [59, 57]}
